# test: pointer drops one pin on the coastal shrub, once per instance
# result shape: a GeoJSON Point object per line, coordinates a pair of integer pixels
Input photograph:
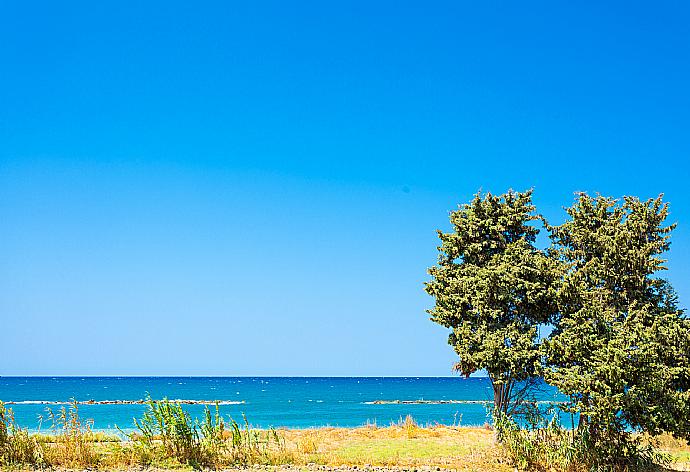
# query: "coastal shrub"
{"type": "Point", "coordinates": [166, 430]}
{"type": "Point", "coordinates": [17, 446]}
{"type": "Point", "coordinates": [72, 441]}
{"type": "Point", "coordinates": [546, 445]}
{"type": "Point", "coordinates": [250, 446]}
{"type": "Point", "coordinates": [5, 418]}
{"type": "Point", "coordinates": [4, 430]}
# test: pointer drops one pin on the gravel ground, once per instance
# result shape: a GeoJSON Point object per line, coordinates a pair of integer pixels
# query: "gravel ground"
{"type": "Point", "coordinates": [323, 468]}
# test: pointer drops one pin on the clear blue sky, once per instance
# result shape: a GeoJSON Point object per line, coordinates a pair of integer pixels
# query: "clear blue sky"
{"type": "Point", "coordinates": [253, 188]}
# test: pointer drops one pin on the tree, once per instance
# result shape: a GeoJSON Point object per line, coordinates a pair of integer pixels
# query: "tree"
{"type": "Point", "coordinates": [621, 346]}
{"type": "Point", "coordinates": [494, 289]}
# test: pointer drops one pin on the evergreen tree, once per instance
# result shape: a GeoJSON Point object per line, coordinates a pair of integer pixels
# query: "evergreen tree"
{"type": "Point", "coordinates": [494, 289]}
{"type": "Point", "coordinates": [621, 347]}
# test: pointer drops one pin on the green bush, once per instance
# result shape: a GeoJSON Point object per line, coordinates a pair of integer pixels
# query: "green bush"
{"type": "Point", "coordinates": [546, 445]}
{"type": "Point", "coordinates": [167, 430]}
{"type": "Point", "coordinates": [166, 436]}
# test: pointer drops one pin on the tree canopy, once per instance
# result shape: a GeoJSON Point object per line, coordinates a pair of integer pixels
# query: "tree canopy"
{"type": "Point", "coordinates": [494, 289]}
{"type": "Point", "coordinates": [621, 345]}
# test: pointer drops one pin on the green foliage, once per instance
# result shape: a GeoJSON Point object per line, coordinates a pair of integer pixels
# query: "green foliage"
{"type": "Point", "coordinates": [621, 347]}
{"type": "Point", "coordinates": [166, 437]}
{"type": "Point", "coordinates": [493, 288]}
{"type": "Point", "coordinates": [546, 445]}
{"type": "Point", "coordinates": [253, 446]}
{"type": "Point", "coordinates": [166, 431]}
{"type": "Point", "coordinates": [538, 444]}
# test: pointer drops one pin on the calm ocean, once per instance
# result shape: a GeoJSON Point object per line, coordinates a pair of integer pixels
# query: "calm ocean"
{"type": "Point", "coordinates": [295, 402]}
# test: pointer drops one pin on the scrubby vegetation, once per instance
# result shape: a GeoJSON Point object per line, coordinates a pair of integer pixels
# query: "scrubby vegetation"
{"type": "Point", "coordinates": [167, 437]}
{"type": "Point", "coordinates": [17, 446]}
{"type": "Point", "coordinates": [166, 431]}
{"type": "Point", "coordinates": [546, 445]}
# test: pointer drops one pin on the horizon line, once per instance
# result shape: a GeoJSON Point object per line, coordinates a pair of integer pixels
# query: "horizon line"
{"type": "Point", "coordinates": [243, 376]}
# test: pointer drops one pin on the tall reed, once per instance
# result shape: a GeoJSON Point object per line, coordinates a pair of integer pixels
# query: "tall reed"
{"type": "Point", "coordinates": [17, 446]}
{"type": "Point", "coordinates": [254, 446]}
{"type": "Point", "coordinates": [72, 441]}
{"type": "Point", "coordinates": [166, 431]}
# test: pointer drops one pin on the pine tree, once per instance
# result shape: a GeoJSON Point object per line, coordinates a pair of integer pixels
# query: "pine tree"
{"type": "Point", "coordinates": [494, 289]}
{"type": "Point", "coordinates": [621, 347]}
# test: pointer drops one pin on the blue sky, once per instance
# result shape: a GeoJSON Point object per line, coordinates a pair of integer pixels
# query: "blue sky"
{"type": "Point", "coordinates": [253, 188]}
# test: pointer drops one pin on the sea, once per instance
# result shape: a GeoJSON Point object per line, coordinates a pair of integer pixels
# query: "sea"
{"type": "Point", "coordinates": [112, 403]}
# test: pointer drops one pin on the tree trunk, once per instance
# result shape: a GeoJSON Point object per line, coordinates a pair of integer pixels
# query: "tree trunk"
{"type": "Point", "coordinates": [498, 397]}
{"type": "Point", "coordinates": [502, 391]}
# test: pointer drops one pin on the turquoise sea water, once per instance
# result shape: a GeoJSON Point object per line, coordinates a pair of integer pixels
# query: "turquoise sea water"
{"type": "Point", "coordinates": [295, 402]}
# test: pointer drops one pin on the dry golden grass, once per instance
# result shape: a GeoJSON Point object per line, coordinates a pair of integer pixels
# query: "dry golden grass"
{"type": "Point", "coordinates": [677, 449]}
{"type": "Point", "coordinates": [408, 445]}
{"type": "Point", "coordinates": [401, 445]}
{"type": "Point", "coordinates": [404, 445]}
